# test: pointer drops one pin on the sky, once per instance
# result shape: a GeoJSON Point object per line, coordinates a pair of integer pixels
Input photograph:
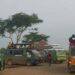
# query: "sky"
{"type": "Point", "coordinates": [58, 17]}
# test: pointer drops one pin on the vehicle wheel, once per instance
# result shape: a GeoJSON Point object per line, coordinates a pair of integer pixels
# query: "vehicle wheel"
{"type": "Point", "coordinates": [28, 63]}
{"type": "Point", "coordinates": [9, 63]}
{"type": "Point", "coordinates": [70, 70]}
{"type": "Point", "coordinates": [2, 68]}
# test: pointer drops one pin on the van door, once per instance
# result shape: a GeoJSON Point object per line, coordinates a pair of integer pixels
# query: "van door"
{"type": "Point", "coordinates": [18, 57]}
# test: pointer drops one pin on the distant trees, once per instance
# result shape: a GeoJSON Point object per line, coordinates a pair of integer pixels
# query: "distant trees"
{"type": "Point", "coordinates": [37, 41]}
{"type": "Point", "coordinates": [34, 37]}
{"type": "Point", "coordinates": [17, 24]}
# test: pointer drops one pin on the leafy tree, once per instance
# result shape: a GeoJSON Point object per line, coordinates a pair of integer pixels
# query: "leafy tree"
{"type": "Point", "coordinates": [17, 24]}
{"type": "Point", "coordinates": [34, 37]}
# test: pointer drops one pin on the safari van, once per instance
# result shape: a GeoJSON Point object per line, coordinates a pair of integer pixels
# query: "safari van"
{"type": "Point", "coordinates": [21, 56]}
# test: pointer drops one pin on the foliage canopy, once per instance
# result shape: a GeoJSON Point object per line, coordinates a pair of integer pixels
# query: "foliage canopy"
{"type": "Point", "coordinates": [17, 24]}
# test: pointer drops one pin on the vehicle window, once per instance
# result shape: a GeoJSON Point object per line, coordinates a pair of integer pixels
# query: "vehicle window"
{"type": "Point", "coordinates": [8, 52]}
{"type": "Point", "coordinates": [11, 52]}
{"type": "Point", "coordinates": [61, 52]}
{"type": "Point", "coordinates": [18, 52]}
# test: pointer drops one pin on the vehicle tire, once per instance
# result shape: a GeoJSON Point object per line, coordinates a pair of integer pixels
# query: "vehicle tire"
{"type": "Point", "coordinates": [1, 68]}
{"type": "Point", "coordinates": [9, 63]}
{"type": "Point", "coordinates": [71, 70]}
{"type": "Point", "coordinates": [28, 63]}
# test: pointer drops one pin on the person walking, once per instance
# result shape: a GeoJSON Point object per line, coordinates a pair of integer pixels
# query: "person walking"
{"type": "Point", "coordinates": [49, 57]}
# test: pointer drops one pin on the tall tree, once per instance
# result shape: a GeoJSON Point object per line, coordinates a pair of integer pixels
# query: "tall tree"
{"type": "Point", "coordinates": [17, 24]}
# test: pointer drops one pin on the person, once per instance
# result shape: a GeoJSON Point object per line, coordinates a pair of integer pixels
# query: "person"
{"type": "Point", "coordinates": [49, 57]}
{"type": "Point", "coordinates": [72, 40]}
{"type": "Point", "coordinates": [28, 55]}
{"type": "Point", "coordinates": [2, 63]}
{"type": "Point", "coordinates": [10, 45]}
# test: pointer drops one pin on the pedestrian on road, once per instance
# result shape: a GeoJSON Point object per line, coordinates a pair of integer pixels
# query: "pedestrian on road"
{"type": "Point", "coordinates": [49, 58]}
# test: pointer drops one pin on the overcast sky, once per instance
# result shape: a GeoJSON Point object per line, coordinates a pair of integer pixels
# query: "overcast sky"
{"type": "Point", "coordinates": [58, 17]}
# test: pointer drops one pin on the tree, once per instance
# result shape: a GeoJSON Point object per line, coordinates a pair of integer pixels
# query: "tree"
{"type": "Point", "coordinates": [36, 40]}
{"type": "Point", "coordinates": [34, 37]}
{"type": "Point", "coordinates": [17, 24]}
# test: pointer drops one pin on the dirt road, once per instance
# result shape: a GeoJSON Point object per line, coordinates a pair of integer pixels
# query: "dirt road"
{"type": "Point", "coordinates": [43, 69]}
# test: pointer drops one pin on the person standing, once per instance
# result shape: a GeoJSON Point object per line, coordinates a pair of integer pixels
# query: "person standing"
{"type": "Point", "coordinates": [2, 63]}
{"type": "Point", "coordinates": [72, 41]}
{"type": "Point", "coordinates": [49, 57]}
{"type": "Point", "coordinates": [10, 45]}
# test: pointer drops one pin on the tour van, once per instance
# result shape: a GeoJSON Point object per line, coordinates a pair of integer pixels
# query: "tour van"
{"type": "Point", "coordinates": [21, 56]}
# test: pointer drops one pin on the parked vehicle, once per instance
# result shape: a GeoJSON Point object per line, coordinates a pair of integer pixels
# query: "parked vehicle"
{"type": "Point", "coordinates": [71, 59]}
{"type": "Point", "coordinates": [61, 55]}
{"type": "Point", "coordinates": [58, 55]}
{"type": "Point", "coordinates": [21, 56]}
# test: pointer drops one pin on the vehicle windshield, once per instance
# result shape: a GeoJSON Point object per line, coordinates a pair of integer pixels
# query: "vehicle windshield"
{"type": "Point", "coordinates": [73, 51]}
{"type": "Point", "coordinates": [61, 52]}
